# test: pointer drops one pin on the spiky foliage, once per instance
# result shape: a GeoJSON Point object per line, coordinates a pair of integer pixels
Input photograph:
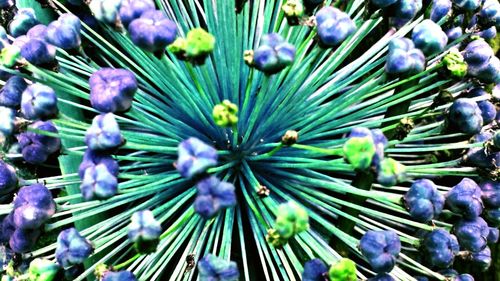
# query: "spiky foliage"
{"type": "Point", "coordinates": [323, 95]}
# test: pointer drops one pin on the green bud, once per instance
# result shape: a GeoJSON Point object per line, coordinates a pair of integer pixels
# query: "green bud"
{"type": "Point", "coordinates": [391, 172]}
{"type": "Point", "coordinates": [42, 270]}
{"type": "Point", "coordinates": [293, 8]}
{"type": "Point", "coordinates": [290, 137]}
{"type": "Point", "coordinates": [274, 238]}
{"type": "Point", "coordinates": [178, 47]}
{"type": "Point", "coordinates": [344, 269]}
{"type": "Point", "coordinates": [359, 152]}
{"type": "Point", "coordinates": [225, 114]}
{"type": "Point", "coordinates": [100, 269]}
{"type": "Point", "coordinates": [10, 55]}
{"type": "Point", "coordinates": [199, 42]}
{"type": "Point", "coordinates": [455, 63]}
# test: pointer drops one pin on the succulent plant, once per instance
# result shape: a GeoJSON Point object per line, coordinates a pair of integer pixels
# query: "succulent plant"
{"type": "Point", "coordinates": [249, 140]}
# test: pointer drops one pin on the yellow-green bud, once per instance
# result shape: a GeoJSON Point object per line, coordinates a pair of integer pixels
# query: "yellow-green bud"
{"type": "Point", "coordinates": [290, 137]}
{"type": "Point", "coordinates": [42, 270]}
{"type": "Point", "coordinates": [9, 56]}
{"type": "Point", "coordinates": [199, 42]}
{"type": "Point", "coordinates": [293, 8]}
{"type": "Point", "coordinates": [225, 114]}
{"type": "Point", "coordinates": [344, 269]}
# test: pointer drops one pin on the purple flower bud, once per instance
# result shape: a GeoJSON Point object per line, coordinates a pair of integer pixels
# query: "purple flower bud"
{"type": "Point", "coordinates": [490, 193]}
{"type": "Point", "coordinates": [72, 248]}
{"type": "Point", "coordinates": [104, 133]}
{"type": "Point", "coordinates": [440, 9]}
{"type": "Point", "coordinates": [407, 9]}
{"type": "Point", "coordinates": [133, 9]}
{"type": "Point", "coordinates": [10, 94]}
{"type": "Point", "coordinates": [493, 235]}
{"type": "Point", "coordinates": [464, 277]}
{"type": "Point", "coordinates": [472, 234]}
{"type": "Point", "coordinates": [482, 259]}
{"type": "Point", "coordinates": [465, 198]}
{"type": "Point", "coordinates": [380, 248]}
{"type": "Point", "coordinates": [98, 183]}
{"type": "Point", "coordinates": [454, 32]}
{"type": "Point", "coordinates": [403, 57]}
{"type": "Point", "coordinates": [195, 157]}
{"type": "Point", "coordinates": [22, 22]}
{"type": "Point", "coordinates": [488, 111]}
{"type": "Point", "coordinates": [144, 231]}
{"type": "Point", "coordinates": [491, 72]}
{"type": "Point", "coordinates": [488, 34]}
{"type": "Point", "coordinates": [440, 248]}
{"type": "Point", "coordinates": [493, 217]}
{"type": "Point", "coordinates": [94, 158]}
{"type": "Point", "coordinates": [213, 195]}
{"type": "Point", "coordinates": [477, 54]}
{"type": "Point", "coordinates": [119, 276]}
{"type": "Point", "coordinates": [8, 178]}
{"type": "Point", "coordinates": [33, 206]}
{"type": "Point", "coordinates": [273, 54]}
{"type": "Point", "coordinates": [314, 270]}
{"type": "Point", "coordinates": [38, 52]}
{"type": "Point", "coordinates": [429, 37]}
{"type": "Point", "coordinates": [211, 267]}
{"type": "Point", "coordinates": [38, 102]}
{"type": "Point", "coordinates": [334, 26]}
{"type": "Point", "coordinates": [65, 32]}
{"type": "Point", "coordinates": [153, 31]}
{"type": "Point", "coordinates": [7, 228]}
{"type": "Point", "coordinates": [469, 5]}
{"type": "Point", "coordinates": [382, 277]}
{"type": "Point", "coordinates": [38, 31]}
{"type": "Point", "coordinates": [36, 148]}
{"type": "Point", "coordinates": [383, 3]}
{"type": "Point", "coordinates": [424, 201]}
{"type": "Point", "coordinates": [23, 241]}
{"type": "Point", "coordinates": [490, 13]}
{"type": "Point", "coordinates": [112, 90]}
{"type": "Point", "coordinates": [478, 156]}
{"type": "Point", "coordinates": [465, 116]}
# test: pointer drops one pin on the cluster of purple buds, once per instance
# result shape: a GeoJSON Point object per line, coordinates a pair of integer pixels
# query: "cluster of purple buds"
{"type": "Point", "coordinates": [465, 199]}
{"type": "Point", "coordinates": [381, 249]}
{"type": "Point", "coordinates": [144, 231]}
{"type": "Point", "coordinates": [112, 90]}
{"type": "Point", "coordinates": [314, 270]}
{"type": "Point", "coordinates": [211, 267]}
{"type": "Point", "coordinates": [400, 11]}
{"type": "Point", "coordinates": [424, 201]}
{"type": "Point", "coordinates": [34, 46]}
{"type": "Point", "coordinates": [104, 133]}
{"type": "Point", "coordinates": [334, 26]}
{"type": "Point", "coordinates": [35, 147]}
{"type": "Point", "coordinates": [439, 9]}
{"type": "Point", "coordinates": [273, 54]}
{"type": "Point", "coordinates": [152, 31]}
{"type": "Point", "coordinates": [123, 275]}
{"type": "Point", "coordinates": [482, 62]}
{"type": "Point", "coordinates": [38, 102]}
{"type": "Point", "coordinates": [429, 37]}
{"type": "Point", "coordinates": [64, 32]}
{"type": "Point", "coordinates": [72, 248]}
{"type": "Point", "coordinates": [11, 92]}
{"type": "Point", "coordinates": [33, 206]}
{"type": "Point", "coordinates": [465, 116]}
{"type": "Point", "coordinates": [479, 156]}
{"type": "Point", "coordinates": [404, 58]}
{"type": "Point", "coordinates": [488, 109]}
{"type": "Point", "coordinates": [213, 195]}
{"type": "Point", "coordinates": [440, 248]}
{"type": "Point", "coordinates": [195, 157]}
{"type": "Point", "coordinates": [133, 9]}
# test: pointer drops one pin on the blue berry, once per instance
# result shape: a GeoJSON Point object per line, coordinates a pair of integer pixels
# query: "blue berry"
{"type": "Point", "coordinates": [10, 94]}
{"type": "Point", "coordinates": [72, 248]}
{"type": "Point", "coordinates": [314, 270]}
{"type": "Point", "coordinates": [423, 200]}
{"type": "Point", "coordinates": [490, 193]}
{"type": "Point", "coordinates": [8, 178]}
{"type": "Point", "coordinates": [465, 198]}
{"type": "Point", "coordinates": [454, 33]}
{"type": "Point", "coordinates": [472, 234]}
{"type": "Point", "coordinates": [195, 157]}
{"type": "Point", "coordinates": [488, 111]}
{"type": "Point", "coordinates": [93, 158]}
{"type": "Point", "coordinates": [153, 31]}
{"type": "Point", "coordinates": [22, 22]}
{"type": "Point", "coordinates": [38, 102]}
{"type": "Point", "coordinates": [488, 33]}
{"type": "Point", "coordinates": [112, 90]}
{"type": "Point", "coordinates": [491, 72]}
{"type": "Point", "coordinates": [493, 235]}
{"type": "Point", "coordinates": [38, 52]}
{"type": "Point", "coordinates": [36, 148]}
{"type": "Point", "coordinates": [439, 247]}
{"type": "Point", "coordinates": [334, 26]}
{"type": "Point", "coordinates": [439, 9]}
{"type": "Point", "coordinates": [482, 259]}
{"type": "Point", "coordinates": [33, 206]}
{"type": "Point", "coordinates": [104, 133]}
{"type": "Point", "coordinates": [98, 183]}
{"type": "Point", "coordinates": [429, 37]}
{"type": "Point", "coordinates": [273, 54]}
{"type": "Point", "coordinates": [123, 275]}
{"type": "Point", "coordinates": [403, 57]}
{"type": "Point", "coordinates": [211, 267]}
{"type": "Point", "coordinates": [213, 195]}
{"type": "Point", "coordinates": [64, 32]}
{"type": "Point", "coordinates": [465, 116]}
{"type": "Point", "coordinates": [381, 249]}
{"type": "Point", "coordinates": [406, 9]}
{"type": "Point", "coordinates": [133, 9]}
{"type": "Point", "coordinates": [464, 277]}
